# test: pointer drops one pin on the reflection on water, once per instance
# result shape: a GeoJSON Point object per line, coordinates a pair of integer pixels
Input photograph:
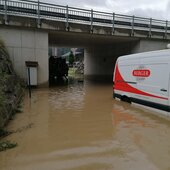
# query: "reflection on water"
{"type": "Point", "coordinates": [122, 114]}
{"type": "Point", "coordinates": [80, 127]}
{"type": "Point", "coordinates": [67, 97]}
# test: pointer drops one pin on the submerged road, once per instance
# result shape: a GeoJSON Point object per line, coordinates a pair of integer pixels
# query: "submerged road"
{"type": "Point", "coordinates": [80, 127]}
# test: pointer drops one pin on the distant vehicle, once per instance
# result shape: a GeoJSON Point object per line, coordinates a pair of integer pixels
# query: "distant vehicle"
{"type": "Point", "coordinates": [144, 78]}
{"type": "Point", "coordinates": [58, 69]}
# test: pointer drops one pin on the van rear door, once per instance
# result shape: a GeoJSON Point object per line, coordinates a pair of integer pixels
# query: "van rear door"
{"type": "Point", "coordinates": [157, 83]}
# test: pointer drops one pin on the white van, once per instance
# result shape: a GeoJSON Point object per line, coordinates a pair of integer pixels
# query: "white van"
{"type": "Point", "coordinates": [144, 78]}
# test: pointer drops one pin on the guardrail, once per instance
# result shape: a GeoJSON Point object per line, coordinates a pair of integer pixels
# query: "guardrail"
{"type": "Point", "coordinates": [41, 11]}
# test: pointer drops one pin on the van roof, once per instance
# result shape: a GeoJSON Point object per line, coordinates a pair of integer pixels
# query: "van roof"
{"type": "Point", "coordinates": [145, 54]}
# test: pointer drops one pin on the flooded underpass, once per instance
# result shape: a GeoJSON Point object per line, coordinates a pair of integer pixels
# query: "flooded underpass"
{"type": "Point", "coordinates": [80, 127]}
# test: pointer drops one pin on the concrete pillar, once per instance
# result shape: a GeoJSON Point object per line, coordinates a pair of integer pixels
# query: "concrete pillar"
{"type": "Point", "coordinates": [27, 45]}
{"type": "Point", "coordinates": [145, 45]}
{"type": "Point", "coordinates": [99, 61]}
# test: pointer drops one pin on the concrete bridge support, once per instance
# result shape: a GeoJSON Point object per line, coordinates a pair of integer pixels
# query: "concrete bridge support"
{"type": "Point", "coordinates": [145, 45]}
{"type": "Point", "coordinates": [27, 45]}
{"type": "Point", "coordinates": [99, 61]}
{"type": "Point", "coordinates": [101, 52]}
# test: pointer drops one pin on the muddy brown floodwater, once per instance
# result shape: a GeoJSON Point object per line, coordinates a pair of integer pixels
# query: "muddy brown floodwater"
{"type": "Point", "coordinates": [80, 127]}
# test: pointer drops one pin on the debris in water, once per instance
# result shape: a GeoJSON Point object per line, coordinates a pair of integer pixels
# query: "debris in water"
{"type": "Point", "coordinates": [4, 133]}
{"type": "Point", "coordinates": [23, 128]}
{"type": "Point", "coordinates": [4, 145]}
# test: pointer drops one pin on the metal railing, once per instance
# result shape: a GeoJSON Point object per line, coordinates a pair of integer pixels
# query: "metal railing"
{"type": "Point", "coordinates": [46, 11]}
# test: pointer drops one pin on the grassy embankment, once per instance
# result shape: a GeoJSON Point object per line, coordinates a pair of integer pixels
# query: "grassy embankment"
{"type": "Point", "coordinates": [10, 95]}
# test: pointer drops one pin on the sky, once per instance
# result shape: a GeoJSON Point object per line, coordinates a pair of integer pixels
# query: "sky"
{"type": "Point", "coordinates": [157, 9]}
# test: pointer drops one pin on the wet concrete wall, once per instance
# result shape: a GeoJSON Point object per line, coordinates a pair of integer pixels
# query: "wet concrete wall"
{"type": "Point", "coordinates": [100, 60]}
{"type": "Point", "coordinates": [101, 52]}
{"type": "Point", "coordinates": [27, 45]}
{"type": "Point", "coordinates": [145, 45]}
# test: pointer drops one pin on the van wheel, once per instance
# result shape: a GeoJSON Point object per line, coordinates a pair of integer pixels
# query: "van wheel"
{"type": "Point", "coordinates": [126, 99]}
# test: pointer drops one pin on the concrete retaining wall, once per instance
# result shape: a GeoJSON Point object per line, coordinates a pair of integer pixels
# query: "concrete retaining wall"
{"type": "Point", "coordinates": [145, 45]}
{"type": "Point", "coordinates": [100, 60]}
{"type": "Point", "coordinates": [101, 52]}
{"type": "Point", "coordinates": [27, 45]}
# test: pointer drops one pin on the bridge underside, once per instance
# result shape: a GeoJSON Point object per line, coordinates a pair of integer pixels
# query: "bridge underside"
{"type": "Point", "coordinates": [85, 40]}
{"type": "Point", "coordinates": [29, 28]}
{"type": "Point", "coordinates": [101, 51]}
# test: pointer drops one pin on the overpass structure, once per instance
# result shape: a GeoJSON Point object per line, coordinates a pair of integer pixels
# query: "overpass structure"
{"type": "Point", "coordinates": [30, 27]}
{"type": "Point", "coordinates": [43, 12]}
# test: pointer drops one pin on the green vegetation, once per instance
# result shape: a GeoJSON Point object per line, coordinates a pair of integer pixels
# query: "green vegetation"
{"type": "Point", "coordinates": [2, 97]}
{"type": "Point", "coordinates": [4, 145]}
{"type": "Point", "coordinates": [18, 110]}
{"type": "Point", "coordinates": [10, 87]}
{"type": "Point", "coordinates": [71, 58]}
{"type": "Point", "coordinates": [10, 95]}
{"type": "Point", "coordinates": [71, 72]}
{"type": "Point", "coordinates": [4, 133]}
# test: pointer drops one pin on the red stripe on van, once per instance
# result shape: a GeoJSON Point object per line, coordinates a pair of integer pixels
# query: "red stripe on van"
{"type": "Point", "coordinates": [120, 84]}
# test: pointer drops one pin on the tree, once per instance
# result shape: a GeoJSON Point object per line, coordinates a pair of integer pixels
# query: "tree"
{"type": "Point", "coordinates": [71, 58]}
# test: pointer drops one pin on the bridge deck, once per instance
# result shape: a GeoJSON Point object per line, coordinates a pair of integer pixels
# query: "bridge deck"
{"type": "Point", "coordinates": [45, 11]}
